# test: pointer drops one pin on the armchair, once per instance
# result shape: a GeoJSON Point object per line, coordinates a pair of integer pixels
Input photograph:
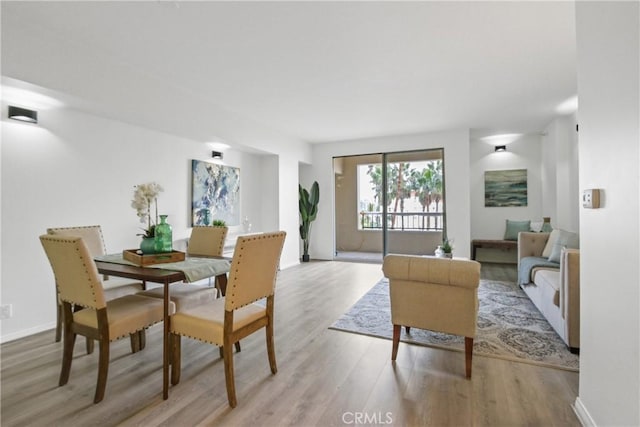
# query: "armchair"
{"type": "Point", "coordinates": [437, 294]}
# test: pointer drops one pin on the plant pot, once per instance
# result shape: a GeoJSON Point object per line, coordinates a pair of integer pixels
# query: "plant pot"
{"type": "Point", "coordinates": [305, 258]}
{"type": "Point", "coordinates": [148, 245]}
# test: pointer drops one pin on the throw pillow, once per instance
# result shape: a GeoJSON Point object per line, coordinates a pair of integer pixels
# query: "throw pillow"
{"type": "Point", "coordinates": [550, 242]}
{"type": "Point", "coordinates": [565, 239]}
{"type": "Point", "coordinates": [514, 227]}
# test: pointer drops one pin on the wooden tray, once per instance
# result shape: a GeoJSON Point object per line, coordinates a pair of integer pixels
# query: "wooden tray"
{"type": "Point", "coordinates": [133, 256]}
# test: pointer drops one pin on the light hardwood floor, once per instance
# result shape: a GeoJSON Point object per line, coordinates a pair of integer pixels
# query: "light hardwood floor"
{"type": "Point", "coordinates": [325, 377]}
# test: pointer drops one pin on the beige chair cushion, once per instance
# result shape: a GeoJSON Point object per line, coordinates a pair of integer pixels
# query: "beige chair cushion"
{"type": "Point", "coordinates": [184, 295]}
{"type": "Point", "coordinates": [126, 315]}
{"type": "Point", "coordinates": [206, 322]}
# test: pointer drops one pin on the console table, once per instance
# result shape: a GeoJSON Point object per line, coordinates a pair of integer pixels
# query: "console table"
{"type": "Point", "coordinates": [495, 244]}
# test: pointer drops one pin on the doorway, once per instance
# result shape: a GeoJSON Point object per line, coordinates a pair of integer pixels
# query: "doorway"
{"type": "Point", "coordinates": [389, 203]}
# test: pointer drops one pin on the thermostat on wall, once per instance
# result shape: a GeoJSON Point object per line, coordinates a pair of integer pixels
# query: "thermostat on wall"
{"type": "Point", "coordinates": [591, 198]}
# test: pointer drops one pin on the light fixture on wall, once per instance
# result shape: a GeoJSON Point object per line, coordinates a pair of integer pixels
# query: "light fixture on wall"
{"type": "Point", "coordinates": [500, 148]}
{"type": "Point", "coordinates": [216, 155]}
{"type": "Point", "coordinates": [22, 114]}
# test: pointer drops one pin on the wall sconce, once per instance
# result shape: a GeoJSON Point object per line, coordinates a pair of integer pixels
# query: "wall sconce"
{"type": "Point", "coordinates": [500, 148]}
{"type": "Point", "coordinates": [216, 155]}
{"type": "Point", "coordinates": [22, 114]}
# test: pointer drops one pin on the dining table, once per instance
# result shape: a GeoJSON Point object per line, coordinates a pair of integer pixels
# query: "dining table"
{"type": "Point", "coordinates": [166, 274]}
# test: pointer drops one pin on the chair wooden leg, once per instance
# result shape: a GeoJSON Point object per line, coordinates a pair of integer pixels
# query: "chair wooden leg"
{"type": "Point", "coordinates": [135, 342]}
{"type": "Point", "coordinates": [396, 341]}
{"type": "Point", "coordinates": [407, 329]}
{"type": "Point", "coordinates": [176, 344]}
{"type": "Point", "coordinates": [68, 342]}
{"type": "Point", "coordinates": [142, 338]}
{"type": "Point", "coordinates": [227, 350]}
{"type": "Point", "coordinates": [271, 351]}
{"type": "Point", "coordinates": [468, 355]}
{"type": "Point", "coordinates": [103, 369]}
{"type": "Point", "coordinates": [58, 322]}
{"type": "Point", "coordinates": [89, 345]}
{"type": "Point", "coordinates": [237, 346]}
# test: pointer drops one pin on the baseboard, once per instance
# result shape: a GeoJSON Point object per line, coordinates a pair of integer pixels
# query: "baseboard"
{"type": "Point", "coordinates": [26, 332]}
{"type": "Point", "coordinates": [582, 414]}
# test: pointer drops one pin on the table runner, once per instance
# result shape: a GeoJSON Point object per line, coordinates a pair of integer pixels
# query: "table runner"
{"type": "Point", "coordinates": [194, 268]}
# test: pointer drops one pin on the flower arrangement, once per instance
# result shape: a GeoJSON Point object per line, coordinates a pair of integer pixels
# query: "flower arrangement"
{"type": "Point", "coordinates": [143, 196]}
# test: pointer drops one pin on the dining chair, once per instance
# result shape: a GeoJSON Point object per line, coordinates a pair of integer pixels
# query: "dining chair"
{"type": "Point", "coordinates": [204, 241]}
{"type": "Point", "coordinates": [114, 287]}
{"type": "Point", "coordinates": [226, 320]}
{"type": "Point", "coordinates": [79, 286]}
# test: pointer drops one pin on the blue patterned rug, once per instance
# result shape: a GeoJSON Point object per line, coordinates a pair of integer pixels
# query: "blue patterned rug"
{"type": "Point", "coordinates": [509, 326]}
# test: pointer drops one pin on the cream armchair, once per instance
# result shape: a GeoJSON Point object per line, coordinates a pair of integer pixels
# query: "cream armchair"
{"type": "Point", "coordinates": [436, 294]}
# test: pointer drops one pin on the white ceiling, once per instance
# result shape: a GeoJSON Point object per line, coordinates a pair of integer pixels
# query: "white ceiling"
{"type": "Point", "coordinates": [326, 71]}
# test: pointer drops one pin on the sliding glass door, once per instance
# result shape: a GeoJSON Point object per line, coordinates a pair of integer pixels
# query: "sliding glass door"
{"type": "Point", "coordinates": [414, 215]}
{"type": "Point", "coordinates": [389, 203]}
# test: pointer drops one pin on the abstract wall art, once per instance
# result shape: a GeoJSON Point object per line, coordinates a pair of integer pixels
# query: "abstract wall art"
{"type": "Point", "coordinates": [505, 188]}
{"type": "Point", "coordinates": [215, 193]}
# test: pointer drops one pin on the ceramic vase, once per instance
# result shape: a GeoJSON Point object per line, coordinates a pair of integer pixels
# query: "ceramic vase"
{"type": "Point", "coordinates": [148, 245]}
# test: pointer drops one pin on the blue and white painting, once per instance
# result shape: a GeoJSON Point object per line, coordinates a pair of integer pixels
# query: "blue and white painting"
{"type": "Point", "coordinates": [215, 193]}
{"type": "Point", "coordinates": [505, 188]}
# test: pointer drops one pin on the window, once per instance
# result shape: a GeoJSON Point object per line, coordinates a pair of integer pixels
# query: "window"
{"type": "Point", "coordinates": [414, 194]}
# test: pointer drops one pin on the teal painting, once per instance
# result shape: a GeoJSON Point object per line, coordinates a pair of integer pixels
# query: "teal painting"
{"type": "Point", "coordinates": [505, 188]}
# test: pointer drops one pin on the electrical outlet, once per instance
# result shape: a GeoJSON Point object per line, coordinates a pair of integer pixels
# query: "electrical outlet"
{"type": "Point", "coordinates": [6, 311]}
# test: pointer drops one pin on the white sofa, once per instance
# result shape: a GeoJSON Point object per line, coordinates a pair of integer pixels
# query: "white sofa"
{"type": "Point", "coordinates": [554, 289]}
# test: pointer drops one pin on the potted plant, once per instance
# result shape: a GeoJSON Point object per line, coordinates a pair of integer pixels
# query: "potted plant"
{"type": "Point", "coordinates": [308, 204]}
{"type": "Point", "coordinates": [447, 248]}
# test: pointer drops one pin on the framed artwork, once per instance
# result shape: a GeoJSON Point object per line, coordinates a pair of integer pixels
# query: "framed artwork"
{"type": "Point", "coordinates": [505, 188]}
{"type": "Point", "coordinates": [215, 193]}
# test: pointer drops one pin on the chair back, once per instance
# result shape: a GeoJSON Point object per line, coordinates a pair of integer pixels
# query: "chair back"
{"type": "Point", "coordinates": [91, 235]}
{"type": "Point", "coordinates": [253, 268]}
{"type": "Point", "coordinates": [207, 240]}
{"type": "Point", "coordinates": [75, 272]}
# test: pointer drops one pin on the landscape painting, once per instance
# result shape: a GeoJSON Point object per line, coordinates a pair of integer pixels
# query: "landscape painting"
{"type": "Point", "coordinates": [505, 188]}
{"type": "Point", "coordinates": [215, 193]}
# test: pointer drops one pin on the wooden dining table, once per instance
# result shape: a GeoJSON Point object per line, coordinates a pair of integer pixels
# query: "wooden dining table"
{"type": "Point", "coordinates": [164, 277]}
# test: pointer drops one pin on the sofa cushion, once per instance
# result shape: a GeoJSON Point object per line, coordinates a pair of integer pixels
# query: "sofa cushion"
{"type": "Point", "coordinates": [514, 227]}
{"type": "Point", "coordinates": [565, 239]}
{"type": "Point", "coordinates": [553, 236]}
{"type": "Point", "coordinates": [551, 280]}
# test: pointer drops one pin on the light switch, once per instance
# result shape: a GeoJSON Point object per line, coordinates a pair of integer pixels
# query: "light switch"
{"type": "Point", "coordinates": [591, 198]}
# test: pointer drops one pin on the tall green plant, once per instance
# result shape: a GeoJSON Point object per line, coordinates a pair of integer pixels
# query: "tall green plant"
{"type": "Point", "coordinates": [308, 204]}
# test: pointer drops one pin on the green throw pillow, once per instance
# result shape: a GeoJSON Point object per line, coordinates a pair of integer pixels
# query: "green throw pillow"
{"type": "Point", "coordinates": [514, 227]}
{"type": "Point", "coordinates": [565, 239]}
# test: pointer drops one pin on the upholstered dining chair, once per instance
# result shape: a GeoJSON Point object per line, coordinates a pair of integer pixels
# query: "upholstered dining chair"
{"type": "Point", "coordinates": [438, 294]}
{"type": "Point", "coordinates": [204, 241]}
{"type": "Point", "coordinates": [226, 320]}
{"type": "Point", "coordinates": [79, 285]}
{"type": "Point", "coordinates": [114, 287]}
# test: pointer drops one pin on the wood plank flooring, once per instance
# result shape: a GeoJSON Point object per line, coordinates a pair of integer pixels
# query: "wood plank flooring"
{"type": "Point", "coordinates": [325, 377]}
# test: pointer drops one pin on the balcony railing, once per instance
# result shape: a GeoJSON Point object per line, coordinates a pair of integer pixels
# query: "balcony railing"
{"type": "Point", "coordinates": [423, 221]}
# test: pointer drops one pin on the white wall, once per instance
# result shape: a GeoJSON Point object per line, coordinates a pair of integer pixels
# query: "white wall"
{"type": "Point", "coordinates": [75, 168]}
{"type": "Point", "coordinates": [608, 58]}
{"type": "Point", "coordinates": [523, 153]}
{"type": "Point", "coordinates": [456, 158]}
{"type": "Point", "coordinates": [560, 198]}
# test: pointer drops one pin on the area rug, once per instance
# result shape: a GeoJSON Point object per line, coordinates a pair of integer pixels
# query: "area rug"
{"type": "Point", "coordinates": [509, 326]}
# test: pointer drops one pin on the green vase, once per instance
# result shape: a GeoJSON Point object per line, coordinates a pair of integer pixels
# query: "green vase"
{"type": "Point", "coordinates": [164, 236]}
{"type": "Point", "coordinates": [148, 245]}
